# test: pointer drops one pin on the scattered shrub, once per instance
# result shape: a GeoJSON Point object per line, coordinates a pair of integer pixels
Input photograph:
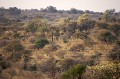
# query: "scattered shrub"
{"type": "Point", "coordinates": [115, 28]}
{"type": "Point", "coordinates": [14, 50]}
{"type": "Point", "coordinates": [106, 36]}
{"type": "Point", "coordinates": [41, 43]}
{"type": "Point", "coordinates": [114, 54]}
{"type": "Point", "coordinates": [77, 48]}
{"type": "Point", "coordinates": [102, 25]}
{"type": "Point", "coordinates": [30, 67]}
{"type": "Point", "coordinates": [74, 72]}
{"type": "Point", "coordinates": [16, 35]}
{"type": "Point", "coordinates": [4, 64]}
{"type": "Point", "coordinates": [106, 71]}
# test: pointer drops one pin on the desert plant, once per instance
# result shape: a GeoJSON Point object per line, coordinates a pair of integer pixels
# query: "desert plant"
{"type": "Point", "coordinates": [84, 22]}
{"type": "Point", "coordinates": [115, 28]}
{"type": "Point", "coordinates": [114, 54]}
{"type": "Point", "coordinates": [16, 35]}
{"type": "Point", "coordinates": [50, 67]}
{"type": "Point", "coordinates": [41, 43]}
{"type": "Point", "coordinates": [37, 24]}
{"type": "Point", "coordinates": [102, 25]}
{"type": "Point", "coordinates": [14, 48]}
{"type": "Point", "coordinates": [30, 67]}
{"type": "Point", "coordinates": [74, 72]}
{"type": "Point", "coordinates": [106, 71]}
{"type": "Point", "coordinates": [106, 36]}
{"type": "Point", "coordinates": [4, 64]}
{"type": "Point", "coordinates": [77, 48]}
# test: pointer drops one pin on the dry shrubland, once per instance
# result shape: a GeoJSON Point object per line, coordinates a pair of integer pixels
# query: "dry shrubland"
{"type": "Point", "coordinates": [49, 47]}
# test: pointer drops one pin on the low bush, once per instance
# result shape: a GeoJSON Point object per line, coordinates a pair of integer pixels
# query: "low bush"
{"type": "Point", "coordinates": [41, 43]}
{"type": "Point", "coordinates": [106, 71]}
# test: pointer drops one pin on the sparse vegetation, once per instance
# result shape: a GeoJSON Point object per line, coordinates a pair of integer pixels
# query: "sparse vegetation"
{"type": "Point", "coordinates": [58, 44]}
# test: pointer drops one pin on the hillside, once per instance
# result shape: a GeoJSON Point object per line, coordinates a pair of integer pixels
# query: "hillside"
{"type": "Point", "coordinates": [59, 44]}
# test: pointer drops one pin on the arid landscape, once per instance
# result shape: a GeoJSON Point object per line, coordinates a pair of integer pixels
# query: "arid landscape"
{"type": "Point", "coordinates": [59, 44]}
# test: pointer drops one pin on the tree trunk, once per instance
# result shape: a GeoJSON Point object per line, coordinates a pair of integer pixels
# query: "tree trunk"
{"type": "Point", "coordinates": [52, 37]}
{"type": "Point", "coordinates": [79, 77]}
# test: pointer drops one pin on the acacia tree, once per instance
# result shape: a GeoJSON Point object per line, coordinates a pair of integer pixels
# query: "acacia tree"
{"type": "Point", "coordinates": [73, 11]}
{"type": "Point", "coordinates": [31, 27]}
{"type": "Point", "coordinates": [53, 32]}
{"type": "Point", "coordinates": [50, 68]}
{"type": "Point", "coordinates": [107, 15]}
{"type": "Point", "coordinates": [106, 36]}
{"type": "Point", "coordinates": [68, 24]}
{"type": "Point", "coordinates": [51, 9]}
{"type": "Point", "coordinates": [15, 49]}
{"type": "Point", "coordinates": [38, 24]}
{"type": "Point", "coordinates": [84, 22]}
{"type": "Point", "coordinates": [68, 27]}
{"type": "Point", "coordinates": [66, 64]}
{"type": "Point", "coordinates": [14, 11]}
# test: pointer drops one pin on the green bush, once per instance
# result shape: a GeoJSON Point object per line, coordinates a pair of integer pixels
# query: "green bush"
{"type": "Point", "coordinates": [74, 72]}
{"type": "Point", "coordinates": [41, 43]}
{"type": "Point", "coordinates": [16, 35]}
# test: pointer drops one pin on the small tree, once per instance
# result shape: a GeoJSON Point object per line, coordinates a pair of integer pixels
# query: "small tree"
{"type": "Point", "coordinates": [84, 22]}
{"type": "Point", "coordinates": [106, 36]}
{"type": "Point", "coordinates": [107, 15]}
{"type": "Point", "coordinates": [68, 24]}
{"type": "Point", "coordinates": [15, 49]}
{"type": "Point", "coordinates": [53, 32]}
{"type": "Point", "coordinates": [31, 27]}
{"type": "Point", "coordinates": [37, 24]}
{"type": "Point", "coordinates": [27, 58]}
{"type": "Point", "coordinates": [51, 9]}
{"type": "Point", "coordinates": [14, 11]}
{"type": "Point", "coordinates": [115, 28]}
{"type": "Point", "coordinates": [73, 11]}
{"type": "Point", "coordinates": [66, 64]}
{"type": "Point", "coordinates": [49, 67]}
{"type": "Point", "coordinates": [41, 43]}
